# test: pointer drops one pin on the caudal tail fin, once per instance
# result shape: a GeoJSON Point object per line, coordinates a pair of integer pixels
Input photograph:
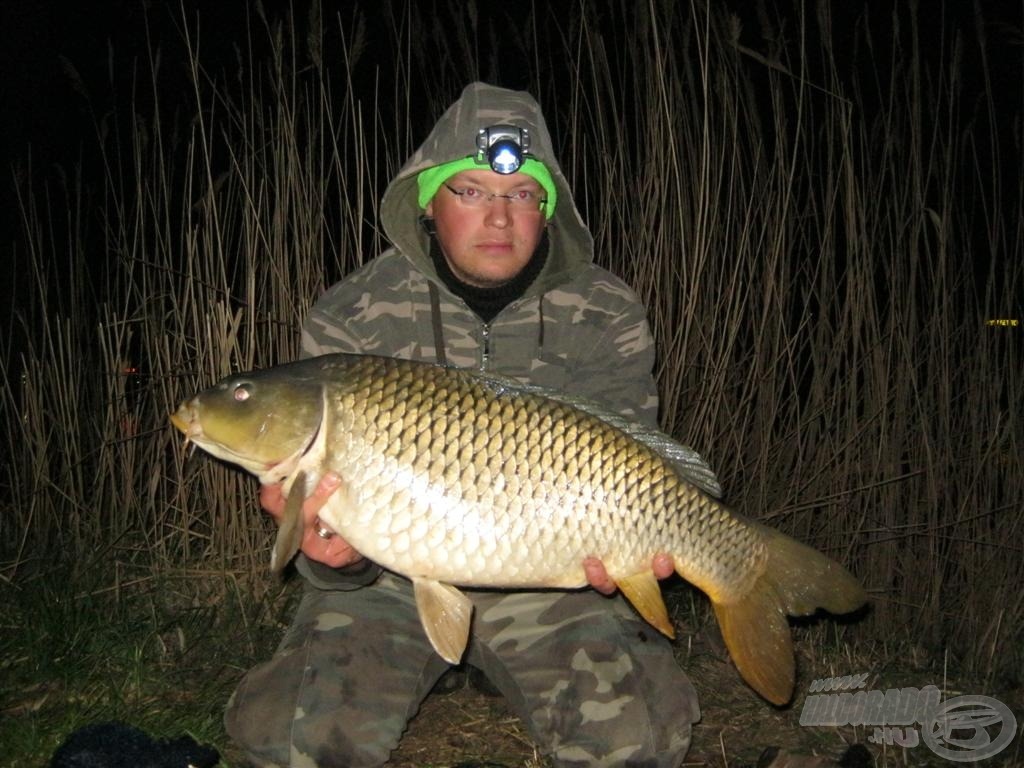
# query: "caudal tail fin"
{"type": "Point", "coordinates": [796, 581]}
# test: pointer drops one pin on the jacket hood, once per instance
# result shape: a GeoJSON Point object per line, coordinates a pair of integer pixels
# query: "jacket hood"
{"type": "Point", "coordinates": [453, 137]}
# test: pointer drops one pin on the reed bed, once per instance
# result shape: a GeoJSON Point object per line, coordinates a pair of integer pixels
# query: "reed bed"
{"type": "Point", "coordinates": [821, 217]}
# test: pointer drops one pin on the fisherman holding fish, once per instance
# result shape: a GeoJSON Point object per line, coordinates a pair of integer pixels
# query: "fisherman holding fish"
{"type": "Point", "coordinates": [483, 394]}
{"type": "Point", "coordinates": [490, 269]}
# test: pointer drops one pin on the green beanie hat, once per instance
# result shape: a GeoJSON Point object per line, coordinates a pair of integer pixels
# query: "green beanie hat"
{"type": "Point", "coordinates": [431, 179]}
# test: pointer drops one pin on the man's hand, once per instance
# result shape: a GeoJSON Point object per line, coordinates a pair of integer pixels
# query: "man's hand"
{"type": "Point", "coordinates": [603, 583]}
{"type": "Point", "coordinates": [333, 551]}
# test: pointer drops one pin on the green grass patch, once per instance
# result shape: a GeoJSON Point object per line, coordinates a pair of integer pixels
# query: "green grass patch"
{"type": "Point", "coordinates": [163, 655]}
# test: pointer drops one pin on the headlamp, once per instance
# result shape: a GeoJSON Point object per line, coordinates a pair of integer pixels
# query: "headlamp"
{"type": "Point", "coordinates": [502, 147]}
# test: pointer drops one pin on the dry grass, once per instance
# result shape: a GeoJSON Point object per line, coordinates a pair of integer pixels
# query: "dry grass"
{"type": "Point", "coordinates": [820, 236]}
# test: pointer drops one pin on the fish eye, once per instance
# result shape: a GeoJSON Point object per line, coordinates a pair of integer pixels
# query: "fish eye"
{"type": "Point", "coordinates": [242, 392]}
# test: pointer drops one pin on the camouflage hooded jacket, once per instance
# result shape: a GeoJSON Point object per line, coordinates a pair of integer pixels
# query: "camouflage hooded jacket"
{"type": "Point", "coordinates": [577, 328]}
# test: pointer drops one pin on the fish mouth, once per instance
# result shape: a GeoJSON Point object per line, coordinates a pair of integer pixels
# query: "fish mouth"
{"type": "Point", "coordinates": [185, 422]}
{"type": "Point", "coordinates": [268, 468]}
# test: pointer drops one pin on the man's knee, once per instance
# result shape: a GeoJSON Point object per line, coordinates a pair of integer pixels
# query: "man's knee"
{"type": "Point", "coordinates": [622, 729]}
{"type": "Point", "coordinates": [604, 690]}
{"type": "Point", "coordinates": [273, 732]}
{"type": "Point", "coordinates": [256, 724]}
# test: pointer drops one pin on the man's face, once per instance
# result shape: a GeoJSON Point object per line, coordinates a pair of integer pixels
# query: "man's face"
{"type": "Point", "coordinates": [487, 245]}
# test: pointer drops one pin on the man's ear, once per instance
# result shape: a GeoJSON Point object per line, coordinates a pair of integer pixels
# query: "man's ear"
{"type": "Point", "coordinates": [429, 210]}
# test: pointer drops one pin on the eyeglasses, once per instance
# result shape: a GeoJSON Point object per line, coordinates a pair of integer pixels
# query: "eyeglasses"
{"type": "Point", "coordinates": [475, 197]}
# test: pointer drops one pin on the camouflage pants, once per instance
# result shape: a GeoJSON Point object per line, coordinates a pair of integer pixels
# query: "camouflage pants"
{"type": "Point", "coordinates": [594, 684]}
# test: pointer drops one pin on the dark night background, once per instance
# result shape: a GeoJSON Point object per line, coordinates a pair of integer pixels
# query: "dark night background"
{"type": "Point", "coordinates": [45, 45]}
{"type": "Point", "coordinates": [58, 58]}
{"type": "Point", "coordinates": [39, 38]}
{"type": "Point", "coordinates": [68, 67]}
{"type": "Point", "coordinates": [64, 65]}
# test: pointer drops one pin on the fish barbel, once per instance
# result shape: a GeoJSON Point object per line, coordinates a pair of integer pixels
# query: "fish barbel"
{"type": "Point", "coordinates": [454, 477]}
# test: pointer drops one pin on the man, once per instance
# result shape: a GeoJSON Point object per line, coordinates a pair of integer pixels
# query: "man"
{"type": "Point", "coordinates": [489, 270]}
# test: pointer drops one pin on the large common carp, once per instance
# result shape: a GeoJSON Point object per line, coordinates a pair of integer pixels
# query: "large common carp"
{"type": "Point", "coordinates": [455, 477]}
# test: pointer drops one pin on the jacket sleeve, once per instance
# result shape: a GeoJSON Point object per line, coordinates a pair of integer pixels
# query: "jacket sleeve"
{"type": "Point", "coordinates": [619, 368]}
{"type": "Point", "coordinates": [326, 330]}
{"type": "Point", "coordinates": [324, 577]}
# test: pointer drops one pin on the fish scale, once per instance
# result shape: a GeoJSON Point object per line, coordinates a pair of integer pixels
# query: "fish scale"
{"type": "Point", "coordinates": [454, 477]}
{"type": "Point", "coordinates": [611, 470]}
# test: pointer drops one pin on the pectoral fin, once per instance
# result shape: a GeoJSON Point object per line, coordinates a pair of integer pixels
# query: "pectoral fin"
{"type": "Point", "coordinates": [289, 535]}
{"type": "Point", "coordinates": [642, 590]}
{"type": "Point", "coordinates": [445, 614]}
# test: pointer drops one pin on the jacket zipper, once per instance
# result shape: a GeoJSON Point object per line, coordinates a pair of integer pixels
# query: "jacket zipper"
{"type": "Point", "coordinates": [485, 353]}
